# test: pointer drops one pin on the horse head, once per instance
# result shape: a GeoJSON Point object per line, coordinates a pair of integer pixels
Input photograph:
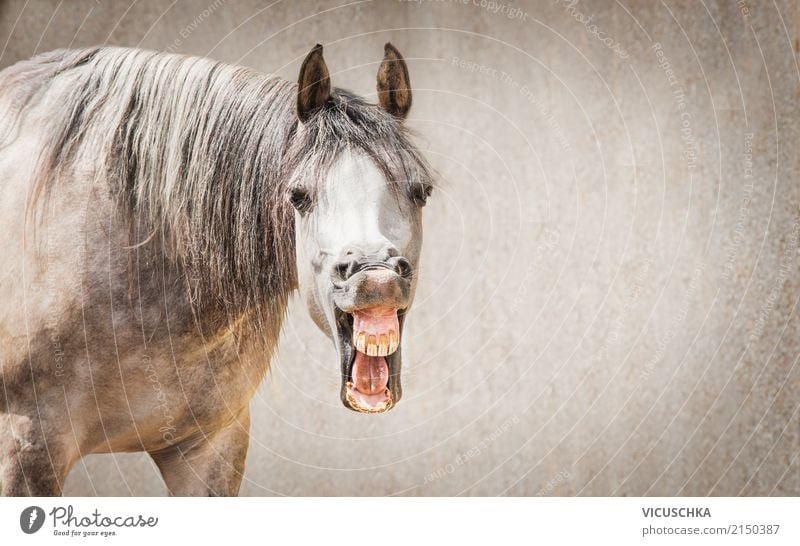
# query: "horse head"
{"type": "Point", "coordinates": [358, 223]}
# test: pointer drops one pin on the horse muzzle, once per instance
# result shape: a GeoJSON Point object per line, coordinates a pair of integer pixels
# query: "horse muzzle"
{"type": "Point", "coordinates": [379, 287]}
{"type": "Point", "coordinates": [370, 310]}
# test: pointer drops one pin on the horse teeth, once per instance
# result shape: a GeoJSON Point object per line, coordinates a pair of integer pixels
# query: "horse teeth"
{"type": "Point", "coordinates": [372, 346]}
{"type": "Point", "coordinates": [376, 344]}
{"type": "Point", "coordinates": [361, 342]}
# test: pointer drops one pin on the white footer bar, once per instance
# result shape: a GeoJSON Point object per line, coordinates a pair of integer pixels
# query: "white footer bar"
{"type": "Point", "coordinates": [333, 521]}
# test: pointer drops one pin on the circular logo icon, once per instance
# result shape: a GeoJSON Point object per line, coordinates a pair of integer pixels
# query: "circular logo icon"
{"type": "Point", "coordinates": [31, 519]}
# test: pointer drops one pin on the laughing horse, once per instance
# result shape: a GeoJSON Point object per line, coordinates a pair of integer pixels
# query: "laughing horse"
{"type": "Point", "coordinates": [158, 210]}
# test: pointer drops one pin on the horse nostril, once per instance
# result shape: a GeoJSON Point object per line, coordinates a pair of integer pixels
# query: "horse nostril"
{"type": "Point", "coordinates": [403, 268]}
{"type": "Point", "coordinates": [345, 270]}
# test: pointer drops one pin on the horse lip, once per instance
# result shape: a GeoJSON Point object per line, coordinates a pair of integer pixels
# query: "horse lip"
{"type": "Point", "coordinates": [344, 302]}
{"type": "Point", "coordinates": [352, 308]}
{"type": "Point", "coordinates": [347, 355]}
{"type": "Point", "coordinates": [347, 304]}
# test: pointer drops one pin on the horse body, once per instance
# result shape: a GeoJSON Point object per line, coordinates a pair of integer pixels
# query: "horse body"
{"type": "Point", "coordinates": [90, 362]}
{"type": "Point", "coordinates": [148, 260]}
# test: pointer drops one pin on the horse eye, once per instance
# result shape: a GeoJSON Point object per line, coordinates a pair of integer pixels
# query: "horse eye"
{"type": "Point", "coordinates": [300, 200]}
{"type": "Point", "coordinates": [420, 193]}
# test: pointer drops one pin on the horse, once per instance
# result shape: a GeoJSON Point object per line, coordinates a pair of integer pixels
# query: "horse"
{"type": "Point", "coordinates": [158, 212]}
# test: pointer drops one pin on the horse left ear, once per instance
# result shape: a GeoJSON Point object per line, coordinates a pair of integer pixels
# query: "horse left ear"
{"type": "Point", "coordinates": [313, 85]}
{"type": "Point", "coordinates": [394, 85]}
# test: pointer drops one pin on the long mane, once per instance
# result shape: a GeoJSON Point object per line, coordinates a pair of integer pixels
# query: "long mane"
{"type": "Point", "coordinates": [199, 155]}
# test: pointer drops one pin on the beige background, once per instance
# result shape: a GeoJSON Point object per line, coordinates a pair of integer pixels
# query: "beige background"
{"type": "Point", "coordinates": [608, 305]}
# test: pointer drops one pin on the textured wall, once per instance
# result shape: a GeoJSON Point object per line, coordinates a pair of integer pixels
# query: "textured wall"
{"type": "Point", "coordinates": [609, 297]}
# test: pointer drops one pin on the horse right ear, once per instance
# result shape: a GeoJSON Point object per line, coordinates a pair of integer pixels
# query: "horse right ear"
{"type": "Point", "coordinates": [313, 84]}
{"type": "Point", "coordinates": [394, 85]}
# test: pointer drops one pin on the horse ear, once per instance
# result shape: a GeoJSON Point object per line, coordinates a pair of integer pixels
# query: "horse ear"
{"type": "Point", "coordinates": [394, 85]}
{"type": "Point", "coordinates": [313, 84]}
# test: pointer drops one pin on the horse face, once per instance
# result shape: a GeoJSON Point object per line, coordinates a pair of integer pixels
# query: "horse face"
{"type": "Point", "coordinates": [358, 248]}
{"type": "Point", "coordinates": [358, 245]}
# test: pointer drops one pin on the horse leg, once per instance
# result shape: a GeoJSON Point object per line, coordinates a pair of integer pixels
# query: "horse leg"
{"type": "Point", "coordinates": [209, 465]}
{"type": "Point", "coordinates": [30, 464]}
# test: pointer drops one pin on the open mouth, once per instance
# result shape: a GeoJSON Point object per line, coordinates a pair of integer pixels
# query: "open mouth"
{"type": "Point", "coordinates": [369, 342]}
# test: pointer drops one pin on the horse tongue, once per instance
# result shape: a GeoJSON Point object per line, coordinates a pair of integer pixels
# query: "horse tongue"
{"type": "Point", "coordinates": [370, 374]}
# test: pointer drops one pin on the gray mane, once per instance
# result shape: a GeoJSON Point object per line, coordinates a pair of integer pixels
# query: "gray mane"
{"type": "Point", "coordinates": [200, 155]}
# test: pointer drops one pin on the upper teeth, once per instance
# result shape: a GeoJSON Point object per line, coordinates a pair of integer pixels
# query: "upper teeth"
{"type": "Point", "coordinates": [376, 344]}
